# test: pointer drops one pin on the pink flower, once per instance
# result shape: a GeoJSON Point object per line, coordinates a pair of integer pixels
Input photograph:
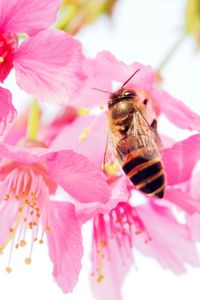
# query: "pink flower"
{"type": "Point", "coordinates": [29, 177]}
{"type": "Point", "coordinates": [47, 63]}
{"type": "Point", "coordinates": [117, 224]}
{"type": "Point", "coordinates": [105, 68]}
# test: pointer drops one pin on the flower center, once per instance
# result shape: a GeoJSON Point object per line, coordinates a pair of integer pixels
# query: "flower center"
{"type": "Point", "coordinates": [115, 230]}
{"type": "Point", "coordinates": [25, 191]}
{"type": "Point", "coordinates": [8, 44]}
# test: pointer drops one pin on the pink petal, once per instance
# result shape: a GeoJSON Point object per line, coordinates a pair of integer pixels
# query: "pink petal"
{"type": "Point", "coordinates": [182, 199]}
{"type": "Point", "coordinates": [114, 270]}
{"type": "Point", "coordinates": [50, 132]}
{"type": "Point", "coordinates": [65, 244]}
{"type": "Point", "coordinates": [48, 66]}
{"type": "Point", "coordinates": [170, 241]}
{"type": "Point", "coordinates": [119, 193]}
{"type": "Point", "coordinates": [176, 111]}
{"type": "Point", "coordinates": [103, 70]}
{"type": "Point", "coordinates": [193, 223]}
{"type": "Point", "coordinates": [7, 110]}
{"type": "Point", "coordinates": [180, 159]}
{"type": "Point", "coordinates": [93, 146]}
{"type": "Point", "coordinates": [8, 216]}
{"type": "Point", "coordinates": [78, 176]}
{"type": "Point", "coordinates": [23, 155]}
{"type": "Point", "coordinates": [23, 16]}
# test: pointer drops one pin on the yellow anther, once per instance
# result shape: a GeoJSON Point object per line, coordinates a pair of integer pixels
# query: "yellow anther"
{"type": "Point", "coordinates": [102, 106]}
{"type": "Point", "coordinates": [111, 169]}
{"type": "Point", "coordinates": [41, 241]}
{"type": "Point", "coordinates": [100, 278]}
{"type": "Point", "coordinates": [7, 196]}
{"type": "Point", "coordinates": [22, 243]}
{"type": "Point", "coordinates": [37, 215]}
{"type": "Point", "coordinates": [8, 269]}
{"type": "Point", "coordinates": [27, 260]}
{"type": "Point", "coordinates": [17, 246]}
{"type": "Point", "coordinates": [48, 228]}
{"type": "Point", "coordinates": [11, 229]}
{"type": "Point", "coordinates": [83, 111]}
{"type": "Point", "coordinates": [84, 135]}
{"type": "Point", "coordinates": [27, 202]}
{"type": "Point", "coordinates": [16, 197]}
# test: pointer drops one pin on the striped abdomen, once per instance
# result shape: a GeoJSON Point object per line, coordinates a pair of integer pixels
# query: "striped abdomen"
{"type": "Point", "coordinates": [146, 174]}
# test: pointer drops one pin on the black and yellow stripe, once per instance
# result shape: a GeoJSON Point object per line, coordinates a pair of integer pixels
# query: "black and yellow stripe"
{"type": "Point", "coordinates": [146, 174]}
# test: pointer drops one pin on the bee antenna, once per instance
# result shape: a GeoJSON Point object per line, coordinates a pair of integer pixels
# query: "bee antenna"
{"type": "Point", "coordinates": [100, 90]}
{"type": "Point", "coordinates": [130, 78]}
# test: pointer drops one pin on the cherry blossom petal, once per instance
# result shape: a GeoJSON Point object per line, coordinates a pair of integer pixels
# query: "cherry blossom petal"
{"type": "Point", "coordinates": [114, 271]}
{"type": "Point", "coordinates": [50, 132]}
{"type": "Point", "coordinates": [7, 110]}
{"type": "Point", "coordinates": [193, 223]}
{"type": "Point", "coordinates": [170, 242]}
{"type": "Point", "coordinates": [8, 216]}
{"type": "Point", "coordinates": [119, 193]}
{"type": "Point", "coordinates": [23, 155]}
{"type": "Point", "coordinates": [182, 199]}
{"type": "Point", "coordinates": [23, 16]}
{"type": "Point", "coordinates": [176, 111]}
{"type": "Point", "coordinates": [180, 159]}
{"type": "Point", "coordinates": [86, 136]}
{"type": "Point", "coordinates": [103, 70]}
{"type": "Point", "coordinates": [78, 176]}
{"type": "Point", "coordinates": [55, 75]}
{"type": "Point", "coordinates": [65, 244]}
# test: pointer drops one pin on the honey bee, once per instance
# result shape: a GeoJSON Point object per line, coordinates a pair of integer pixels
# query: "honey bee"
{"type": "Point", "coordinates": [134, 142]}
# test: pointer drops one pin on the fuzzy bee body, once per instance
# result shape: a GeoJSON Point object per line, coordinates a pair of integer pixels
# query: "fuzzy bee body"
{"type": "Point", "coordinates": [136, 142]}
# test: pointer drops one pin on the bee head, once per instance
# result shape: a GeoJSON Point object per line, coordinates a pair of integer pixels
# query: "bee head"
{"type": "Point", "coordinates": [121, 95]}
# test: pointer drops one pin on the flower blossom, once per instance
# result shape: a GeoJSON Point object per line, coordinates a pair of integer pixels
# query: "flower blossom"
{"type": "Point", "coordinates": [121, 225]}
{"type": "Point", "coordinates": [28, 178]}
{"type": "Point", "coordinates": [47, 63]}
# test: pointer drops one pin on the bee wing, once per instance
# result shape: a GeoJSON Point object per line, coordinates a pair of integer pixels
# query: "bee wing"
{"type": "Point", "coordinates": [153, 134]}
{"type": "Point", "coordinates": [110, 154]}
{"type": "Point", "coordinates": [139, 134]}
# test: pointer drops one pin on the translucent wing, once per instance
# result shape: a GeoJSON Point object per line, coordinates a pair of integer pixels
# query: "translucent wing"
{"type": "Point", "coordinates": [110, 163]}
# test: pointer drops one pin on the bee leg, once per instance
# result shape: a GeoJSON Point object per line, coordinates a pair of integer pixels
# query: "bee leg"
{"type": "Point", "coordinates": [154, 124]}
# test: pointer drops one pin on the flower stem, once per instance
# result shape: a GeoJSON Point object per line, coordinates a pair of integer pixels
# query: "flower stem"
{"type": "Point", "coordinates": [33, 121]}
{"type": "Point", "coordinates": [170, 54]}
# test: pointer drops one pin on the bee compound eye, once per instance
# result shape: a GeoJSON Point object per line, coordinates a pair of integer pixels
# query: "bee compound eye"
{"type": "Point", "coordinates": [145, 101]}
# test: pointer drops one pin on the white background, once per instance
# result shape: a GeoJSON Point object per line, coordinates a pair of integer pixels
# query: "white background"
{"type": "Point", "coordinates": [141, 31]}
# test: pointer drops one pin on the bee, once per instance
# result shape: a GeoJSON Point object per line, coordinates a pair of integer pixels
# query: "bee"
{"type": "Point", "coordinates": [135, 143]}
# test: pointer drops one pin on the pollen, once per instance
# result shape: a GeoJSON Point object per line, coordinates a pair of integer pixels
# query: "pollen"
{"type": "Point", "coordinates": [28, 261]}
{"type": "Point", "coordinates": [8, 269]}
{"type": "Point", "coordinates": [84, 135]}
{"type": "Point", "coordinates": [83, 111]}
{"type": "Point", "coordinates": [22, 243]}
{"type": "Point", "coordinates": [111, 169]}
{"type": "Point", "coordinates": [100, 278]}
{"type": "Point", "coordinates": [1, 59]}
